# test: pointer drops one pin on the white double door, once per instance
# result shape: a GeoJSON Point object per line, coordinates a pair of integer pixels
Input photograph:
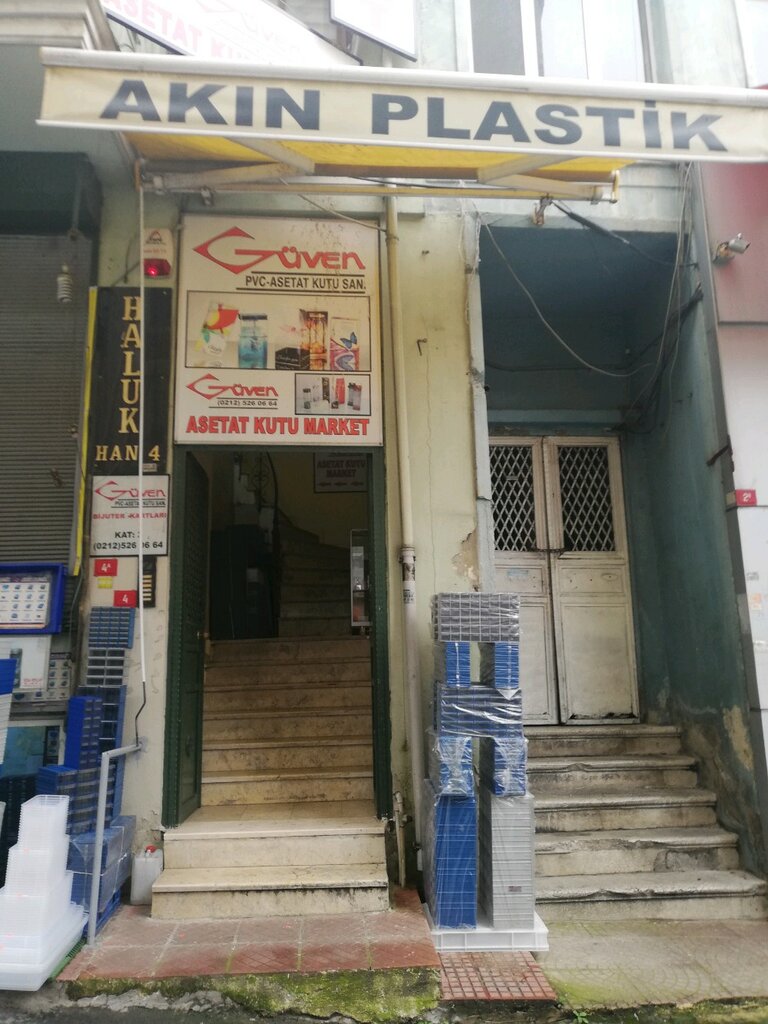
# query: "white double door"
{"type": "Point", "coordinates": [560, 542]}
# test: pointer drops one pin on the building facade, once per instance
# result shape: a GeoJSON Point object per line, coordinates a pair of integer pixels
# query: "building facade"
{"type": "Point", "coordinates": [541, 395]}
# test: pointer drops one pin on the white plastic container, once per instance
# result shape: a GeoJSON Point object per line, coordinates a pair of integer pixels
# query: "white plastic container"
{"type": "Point", "coordinates": [23, 914]}
{"type": "Point", "coordinates": [43, 819]}
{"type": "Point", "coordinates": [24, 966]}
{"type": "Point", "coordinates": [34, 871]}
{"type": "Point", "coordinates": [147, 866]}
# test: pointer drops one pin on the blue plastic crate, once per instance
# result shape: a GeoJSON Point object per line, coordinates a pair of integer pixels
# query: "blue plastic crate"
{"type": "Point", "coordinates": [500, 665]}
{"type": "Point", "coordinates": [450, 764]}
{"type": "Point", "coordinates": [503, 762]}
{"type": "Point", "coordinates": [452, 662]}
{"type": "Point", "coordinates": [7, 674]}
{"type": "Point", "coordinates": [476, 711]}
{"type": "Point", "coordinates": [111, 628]}
{"type": "Point", "coordinates": [105, 667]}
{"type": "Point", "coordinates": [450, 858]}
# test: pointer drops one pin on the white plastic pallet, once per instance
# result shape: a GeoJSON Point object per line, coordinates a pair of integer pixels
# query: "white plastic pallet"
{"type": "Point", "coordinates": [484, 939]}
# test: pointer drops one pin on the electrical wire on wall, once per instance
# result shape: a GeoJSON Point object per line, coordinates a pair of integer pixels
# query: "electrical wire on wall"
{"type": "Point", "coordinates": [140, 476]}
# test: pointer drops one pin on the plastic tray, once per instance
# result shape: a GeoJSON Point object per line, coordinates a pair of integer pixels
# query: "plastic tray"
{"type": "Point", "coordinates": [29, 977]}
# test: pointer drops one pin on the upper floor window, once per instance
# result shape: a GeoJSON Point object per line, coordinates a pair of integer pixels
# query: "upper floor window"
{"type": "Point", "coordinates": [595, 39]}
{"type": "Point", "coordinates": [754, 22]}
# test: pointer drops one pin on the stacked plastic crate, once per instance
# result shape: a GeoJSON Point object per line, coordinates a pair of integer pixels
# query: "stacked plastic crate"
{"type": "Point", "coordinates": [7, 674]}
{"type": "Point", "coordinates": [95, 717]}
{"type": "Point", "coordinates": [39, 923]}
{"type": "Point", "coordinates": [497, 870]}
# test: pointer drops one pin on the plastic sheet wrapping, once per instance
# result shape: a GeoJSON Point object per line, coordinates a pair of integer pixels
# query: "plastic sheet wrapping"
{"type": "Point", "coordinates": [503, 762]}
{"type": "Point", "coordinates": [500, 665]}
{"type": "Point", "coordinates": [452, 662]}
{"type": "Point", "coordinates": [506, 891]}
{"type": "Point", "coordinates": [449, 845]}
{"type": "Point", "coordinates": [483, 618]}
{"type": "Point", "coordinates": [450, 764]}
{"type": "Point", "coordinates": [476, 711]}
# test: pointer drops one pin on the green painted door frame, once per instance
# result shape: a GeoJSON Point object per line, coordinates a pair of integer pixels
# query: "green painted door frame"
{"type": "Point", "coordinates": [186, 628]}
{"type": "Point", "coordinates": [184, 703]}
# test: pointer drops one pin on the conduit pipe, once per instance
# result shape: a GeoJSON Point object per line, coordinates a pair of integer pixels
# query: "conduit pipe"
{"type": "Point", "coordinates": [407, 551]}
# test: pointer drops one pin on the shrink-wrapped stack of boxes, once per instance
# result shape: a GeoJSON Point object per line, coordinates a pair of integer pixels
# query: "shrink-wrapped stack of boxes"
{"type": "Point", "coordinates": [476, 860]}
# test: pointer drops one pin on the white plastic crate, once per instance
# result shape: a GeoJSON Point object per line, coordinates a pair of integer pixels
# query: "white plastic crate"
{"type": "Point", "coordinates": [486, 939]}
{"type": "Point", "coordinates": [43, 819]}
{"type": "Point", "coordinates": [25, 967]}
{"type": "Point", "coordinates": [23, 914]}
{"type": "Point", "coordinates": [34, 871]}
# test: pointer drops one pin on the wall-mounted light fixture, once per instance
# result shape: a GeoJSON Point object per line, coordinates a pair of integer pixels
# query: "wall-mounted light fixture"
{"type": "Point", "coordinates": [725, 251]}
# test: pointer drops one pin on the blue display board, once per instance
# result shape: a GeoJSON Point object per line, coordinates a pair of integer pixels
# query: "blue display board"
{"type": "Point", "coordinates": [31, 597]}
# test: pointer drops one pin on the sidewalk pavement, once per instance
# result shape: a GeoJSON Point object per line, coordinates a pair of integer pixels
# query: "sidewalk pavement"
{"type": "Point", "coordinates": [383, 967]}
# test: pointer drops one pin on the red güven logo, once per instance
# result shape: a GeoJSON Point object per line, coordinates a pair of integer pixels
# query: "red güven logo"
{"type": "Point", "coordinates": [223, 252]}
{"type": "Point", "coordinates": [209, 386]}
{"type": "Point", "coordinates": [111, 490]}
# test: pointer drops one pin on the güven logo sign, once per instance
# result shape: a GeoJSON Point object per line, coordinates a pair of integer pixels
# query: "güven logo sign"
{"type": "Point", "coordinates": [209, 386]}
{"type": "Point", "coordinates": [225, 249]}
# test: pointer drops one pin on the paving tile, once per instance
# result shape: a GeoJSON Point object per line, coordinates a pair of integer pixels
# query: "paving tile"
{"type": "Point", "coordinates": [390, 954]}
{"type": "Point", "coordinates": [206, 933]}
{"type": "Point", "coordinates": [72, 970]}
{"type": "Point", "coordinates": [341, 928]}
{"type": "Point", "coordinates": [348, 957]}
{"type": "Point", "coordinates": [133, 926]}
{"type": "Point", "coordinates": [586, 946]}
{"type": "Point", "coordinates": [678, 983]}
{"type": "Point", "coordinates": [585, 989]}
{"type": "Point", "coordinates": [261, 958]}
{"type": "Point", "coordinates": [182, 961]}
{"type": "Point", "coordinates": [268, 929]}
{"type": "Point", "coordinates": [119, 962]}
{"type": "Point", "coordinates": [493, 976]}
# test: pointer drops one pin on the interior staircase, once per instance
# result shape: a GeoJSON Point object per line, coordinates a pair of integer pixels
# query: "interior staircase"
{"type": "Point", "coordinates": [287, 823]}
{"type": "Point", "coordinates": [623, 830]}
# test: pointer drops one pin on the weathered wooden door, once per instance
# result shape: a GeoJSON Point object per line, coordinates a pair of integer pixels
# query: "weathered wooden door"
{"type": "Point", "coordinates": [560, 540]}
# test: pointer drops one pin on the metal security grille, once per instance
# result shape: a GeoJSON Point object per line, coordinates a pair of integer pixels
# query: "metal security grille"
{"type": "Point", "coordinates": [514, 513]}
{"type": "Point", "coordinates": [42, 350]}
{"type": "Point", "coordinates": [585, 493]}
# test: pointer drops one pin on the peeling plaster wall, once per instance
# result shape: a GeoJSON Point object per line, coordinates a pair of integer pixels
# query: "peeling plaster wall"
{"type": "Point", "coordinates": [438, 390]}
{"type": "Point", "coordinates": [691, 662]}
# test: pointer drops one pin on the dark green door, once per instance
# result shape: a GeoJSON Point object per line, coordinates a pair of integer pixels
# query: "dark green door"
{"type": "Point", "coordinates": [189, 583]}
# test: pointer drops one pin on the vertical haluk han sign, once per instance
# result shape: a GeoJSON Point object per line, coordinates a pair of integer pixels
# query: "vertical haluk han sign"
{"type": "Point", "coordinates": [278, 339]}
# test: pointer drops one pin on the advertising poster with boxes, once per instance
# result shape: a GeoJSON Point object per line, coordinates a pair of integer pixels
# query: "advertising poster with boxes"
{"type": "Point", "coordinates": [278, 333]}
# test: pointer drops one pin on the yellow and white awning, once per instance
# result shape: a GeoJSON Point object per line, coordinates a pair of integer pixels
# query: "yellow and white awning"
{"type": "Point", "coordinates": [239, 123]}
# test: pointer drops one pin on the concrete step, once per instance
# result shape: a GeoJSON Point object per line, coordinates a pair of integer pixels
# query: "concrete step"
{"type": "Point", "coordinates": [282, 891]}
{"type": "Point", "coordinates": [593, 740]}
{"type": "Point", "coordinates": [311, 575]}
{"type": "Point", "coordinates": [626, 850]}
{"type": "Point", "coordinates": [278, 650]}
{"type": "Point", "coordinates": [287, 695]}
{"type": "Point", "coordinates": [253, 677]}
{"type": "Point", "coordinates": [552, 774]}
{"type": "Point", "coordinates": [333, 558]}
{"type": "Point", "coordinates": [315, 627]}
{"type": "Point", "coordinates": [315, 591]}
{"type": "Point", "coordinates": [314, 609]}
{"type": "Point", "coordinates": [285, 724]}
{"type": "Point", "coordinates": [332, 752]}
{"type": "Point", "coordinates": [665, 895]}
{"type": "Point", "coordinates": [291, 835]}
{"type": "Point", "coordinates": [285, 785]}
{"type": "Point", "coordinates": [588, 810]}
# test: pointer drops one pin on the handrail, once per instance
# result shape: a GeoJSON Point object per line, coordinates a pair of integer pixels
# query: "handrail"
{"type": "Point", "coordinates": [101, 810]}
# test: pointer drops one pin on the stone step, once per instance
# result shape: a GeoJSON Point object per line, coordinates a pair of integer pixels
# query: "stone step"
{"type": "Point", "coordinates": [287, 695]}
{"type": "Point", "coordinates": [254, 676]}
{"type": "Point", "coordinates": [587, 810]}
{"type": "Point", "coordinates": [281, 891]}
{"type": "Point", "coordinates": [331, 752]}
{"type": "Point", "coordinates": [593, 740]}
{"type": "Point", "coordinates": [278, 650]}
{"type": "Point", "coordinates": [278, 834]}
{"type": "Point", "coordinates": [263, 725]}
{"type": "Point", "coordinates": [314, 609]}
{"type": "Point", "coordinates": [551, 774]}
{"type": "Point", "coordinates": [285, 785]}
{"type": "Point", "coordinates": [333, 559]}
{"type": "Point", "coordinates": [666, 895]}
{"type": "Point", "coordinates": [626, 850]}
{"type": "Point", "coordinates": [291, 575]}
{"type": "Point", "coordinates": [315, 627]}
{"type": "Point", "coordinates": [315, 591]}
